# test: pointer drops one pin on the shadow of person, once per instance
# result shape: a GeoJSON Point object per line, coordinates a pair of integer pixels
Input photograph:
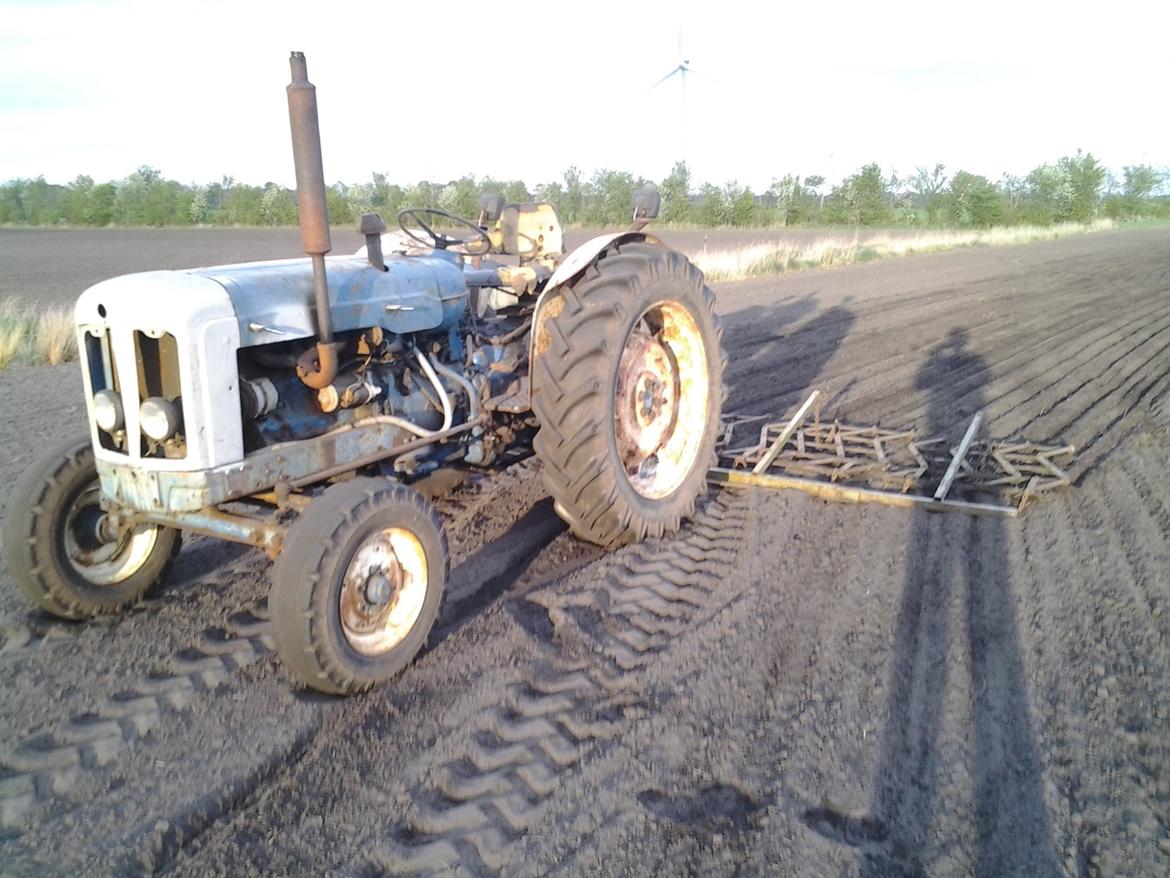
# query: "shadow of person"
{"type": "Point", "coordinates": [773, 368]}
{"type": "Point", "coordinates": [956, 609]}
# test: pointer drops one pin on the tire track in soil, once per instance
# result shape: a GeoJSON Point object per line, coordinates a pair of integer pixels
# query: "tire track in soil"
{"type": "Point", "coordinates": [565, 708]}
{"type": "Point", "coordinates": [788, 687]}
{"type": "Point", "coordinates": [23, 636]}
{"type": "Point", "coordinates": [39, 768]}
{"type": "Point", "coordinates": [482, 574]}
{"type": "Point", "coordinates": [21, 640]}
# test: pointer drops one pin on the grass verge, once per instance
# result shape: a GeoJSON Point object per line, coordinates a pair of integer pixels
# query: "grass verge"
{"type": "Point", "coordinates": [31, 335]}
{"type": "Point", "coordinates": [763, 260]}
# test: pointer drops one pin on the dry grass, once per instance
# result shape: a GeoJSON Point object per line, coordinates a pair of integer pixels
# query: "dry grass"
{"type": "Point", "coordinates": [31, 335]}
{"type": "Point", "coordinates": [761, 260]}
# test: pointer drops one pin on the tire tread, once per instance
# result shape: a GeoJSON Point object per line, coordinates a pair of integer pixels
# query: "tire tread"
{"type": "Point", "coordinates": [300, 600]}
{"type": "Point", "coordinates": [571, 402]}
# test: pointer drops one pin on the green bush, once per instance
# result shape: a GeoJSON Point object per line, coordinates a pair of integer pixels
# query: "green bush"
{"type": "Point", "coordinates": [1074, 188]}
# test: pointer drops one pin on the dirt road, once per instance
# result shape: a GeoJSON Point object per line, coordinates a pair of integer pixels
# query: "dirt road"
{"type": "Point", "coordinates": [788, 687]}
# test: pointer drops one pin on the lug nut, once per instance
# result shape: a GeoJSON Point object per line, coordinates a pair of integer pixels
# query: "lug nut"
{"type": "Point", "coordinates": [379, 589]}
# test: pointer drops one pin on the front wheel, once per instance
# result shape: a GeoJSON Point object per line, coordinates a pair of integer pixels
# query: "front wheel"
{"type": "Point", "coordinates": [60, 550]}
{"type": "Point", "coordinates": [358, 586]}
{"type": "Point", "coordinates": [628, 386]}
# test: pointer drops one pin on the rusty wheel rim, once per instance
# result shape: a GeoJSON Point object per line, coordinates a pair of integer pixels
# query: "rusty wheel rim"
{"type": "Point", "coordinates": [383, 591]}
{"type": "Point", "coordinates": [97, 556]}
{"type": "Point", "coordinates": [663, 386]}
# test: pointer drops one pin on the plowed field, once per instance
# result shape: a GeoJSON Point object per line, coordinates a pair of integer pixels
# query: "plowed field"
{"type": "Point", "coordinates": [788, 687]}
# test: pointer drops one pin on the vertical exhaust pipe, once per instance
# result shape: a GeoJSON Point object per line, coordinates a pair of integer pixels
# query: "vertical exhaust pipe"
{"type": "Point", "coordinates": [318, 367]}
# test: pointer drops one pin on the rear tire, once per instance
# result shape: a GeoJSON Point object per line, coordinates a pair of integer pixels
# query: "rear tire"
{"type": "Point", "coordinates": [55, 547]}
{"type": "Point", "coordinates": [628, 386]}
{"type": "Point", "coordinates": [358, 586]}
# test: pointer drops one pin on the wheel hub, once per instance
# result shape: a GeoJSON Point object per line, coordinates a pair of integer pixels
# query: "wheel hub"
{"type": "Point", "coordinates": [652, 397]}
{"type": "Point", "coordinates": [102, 554]}
{"type": "Point", "coordinates": [383, 591]}
{"type": "Point", "coordinates": [646, 398]}
{"type": "Point", "coordinates": [380, 590]}
{"type": "Point", "coordinates": [661, 399]}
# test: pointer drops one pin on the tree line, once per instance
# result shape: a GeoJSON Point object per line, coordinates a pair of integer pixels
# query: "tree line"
{"type": "Point", "coordinates": [1075, 188]}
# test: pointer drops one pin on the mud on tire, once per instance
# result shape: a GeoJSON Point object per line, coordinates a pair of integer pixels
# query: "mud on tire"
{"type": "Point", "coordinates": [580, 390]}
{"type": "Point", "coordinates": [328, 632]}
{"type": "Point", "coordinates": [53, 517]}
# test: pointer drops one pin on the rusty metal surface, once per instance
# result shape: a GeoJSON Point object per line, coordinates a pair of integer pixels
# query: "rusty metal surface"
{"type": "Point", "coordinates": [576, 263]}
{"type": "Point", "coordinates": [312, 211]}
{"type": "Point", "coordinates": [662, 391]}
{"type": "Point", "coordinates": [294, 464]}
{"type": "Point", "coordinates": [265, 533]}
{"type": "Point", "coordinates": [836, 452]}
{"type": "Point", "coordinates": [893, 461]}
{"type": "Point", "coordinates": [1025, 467]}
{"type": "Point", "coordinates": [383, 591]}
{"type": "Point", "coordinates": [306, 143]}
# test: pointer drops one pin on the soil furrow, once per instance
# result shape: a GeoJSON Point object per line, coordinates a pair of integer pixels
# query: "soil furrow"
{"type": "Point", "coordinates": [1039, 365]}
{"type": "Point", "coordinates": [871, 382]}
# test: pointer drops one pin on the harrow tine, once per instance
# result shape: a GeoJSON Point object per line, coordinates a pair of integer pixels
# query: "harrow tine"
{"type": "Point", "coordinates": [789, 429]}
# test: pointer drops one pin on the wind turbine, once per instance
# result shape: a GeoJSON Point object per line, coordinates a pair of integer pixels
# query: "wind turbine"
{"type": "Point", "coordinates": [680, 70]}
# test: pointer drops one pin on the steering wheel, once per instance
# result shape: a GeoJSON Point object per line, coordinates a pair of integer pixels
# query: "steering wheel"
{"type": "Point", "coordinates": [437, 239]}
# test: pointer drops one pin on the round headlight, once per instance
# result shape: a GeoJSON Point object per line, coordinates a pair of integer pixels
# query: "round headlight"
{"type": "Point", "coordinates": [159, 418]}
{"type": "Point", "coordinates": [107, 411]}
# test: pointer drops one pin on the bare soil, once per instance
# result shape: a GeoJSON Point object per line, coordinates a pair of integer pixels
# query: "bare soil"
{"type": "Point", "coordinates": [788, 687]}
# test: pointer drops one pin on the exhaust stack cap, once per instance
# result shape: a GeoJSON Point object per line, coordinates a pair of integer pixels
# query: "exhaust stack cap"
{"type": "Point", "coordinates": [306, 143]}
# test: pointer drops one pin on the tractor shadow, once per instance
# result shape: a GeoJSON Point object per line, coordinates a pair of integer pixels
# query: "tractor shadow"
{"type": "Point", "coordinates": [492, 570]}
{"type": "Point", "coordinates": [771, 367]}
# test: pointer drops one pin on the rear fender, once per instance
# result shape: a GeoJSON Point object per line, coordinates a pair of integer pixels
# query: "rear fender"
{"type": "Point", "coordinates": [549, 304]}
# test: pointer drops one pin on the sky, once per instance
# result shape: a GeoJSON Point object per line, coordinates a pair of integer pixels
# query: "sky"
{"type": "Point", "coordinates": [438, 90]}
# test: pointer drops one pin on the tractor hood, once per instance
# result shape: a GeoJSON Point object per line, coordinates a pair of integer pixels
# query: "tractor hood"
{"type": "Point", "coordinates": [273, 301]}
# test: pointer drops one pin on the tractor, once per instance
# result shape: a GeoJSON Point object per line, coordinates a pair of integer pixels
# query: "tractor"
{"type": "Point", "coordinates": [293, 406]}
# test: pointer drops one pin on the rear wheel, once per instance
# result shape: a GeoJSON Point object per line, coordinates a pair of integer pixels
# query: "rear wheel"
{"type": "Point", "coordinates": [627, 385]}
{"type": "Point", "coordinates": [60, 550]}
{"type": "Point", "coordinates": [359, 585]}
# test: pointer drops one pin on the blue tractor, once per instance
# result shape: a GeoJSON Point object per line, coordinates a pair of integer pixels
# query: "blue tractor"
{"type": "Point", "coordinates": [291, 405]}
